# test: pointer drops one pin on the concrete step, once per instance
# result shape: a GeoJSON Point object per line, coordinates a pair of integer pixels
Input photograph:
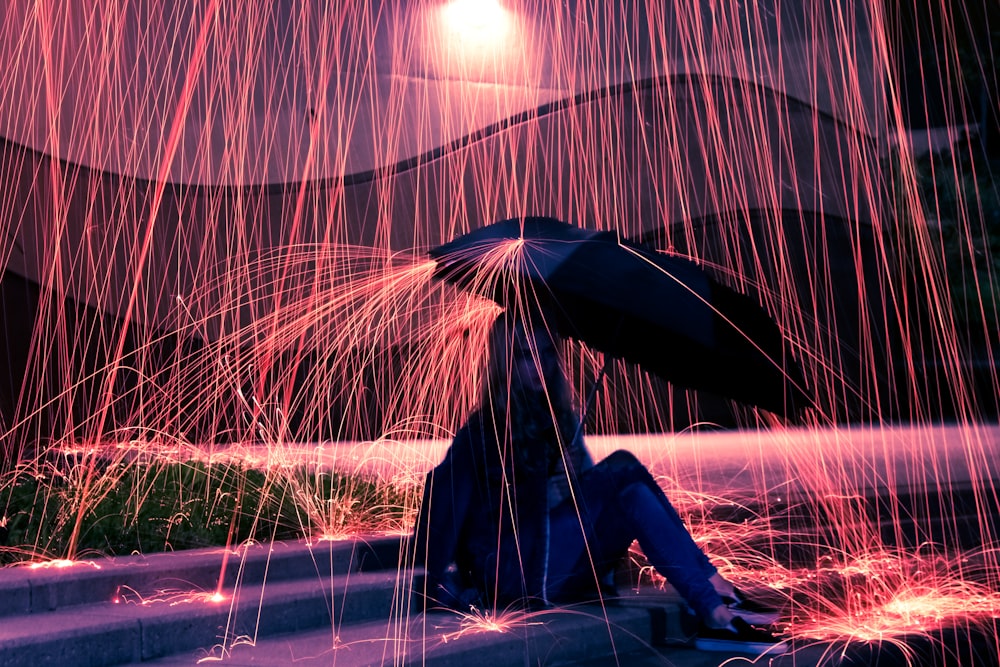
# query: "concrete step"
{"type": "Point", "coordinates": [109, 633]}
{"type": "Point", "coordinates": [563, 636]}
{"type": "Point", "coordinates": [325, 603]}
{"type": "Point", "coordinates": [33, 589]}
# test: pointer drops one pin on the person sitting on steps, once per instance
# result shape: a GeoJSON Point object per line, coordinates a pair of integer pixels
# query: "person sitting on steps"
{"type": "Point", "coordinates": [518, 512]}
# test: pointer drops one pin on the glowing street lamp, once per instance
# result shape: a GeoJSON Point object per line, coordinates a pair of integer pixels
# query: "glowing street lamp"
{"type": "Point", "coordinates": [483, 22]}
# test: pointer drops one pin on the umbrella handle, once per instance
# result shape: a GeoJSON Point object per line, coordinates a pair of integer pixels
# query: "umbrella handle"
{"type": "Point", "coordinates": [591, 395]}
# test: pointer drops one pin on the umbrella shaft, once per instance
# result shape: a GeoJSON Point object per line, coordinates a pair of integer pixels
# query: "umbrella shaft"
{"type": "Point", "coordinates": [591, 395]}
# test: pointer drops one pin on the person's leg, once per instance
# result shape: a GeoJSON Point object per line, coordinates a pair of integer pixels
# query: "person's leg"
{"type": "Point", "coordinates": [618, 502]}
{"type": "Point", "coordinates": [628, 469]}
{"type": "Point", "coordinates": [670, 551]}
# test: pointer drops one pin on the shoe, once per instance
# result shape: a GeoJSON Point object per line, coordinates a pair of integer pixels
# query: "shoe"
{"type": "Point", "coordinates": [740, 637]}
{"type": "Point", "coordinates": [750, 611]}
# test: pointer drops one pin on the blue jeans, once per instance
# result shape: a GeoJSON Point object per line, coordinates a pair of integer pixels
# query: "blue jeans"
{"type": "Point", "coordinates": [618, 501]}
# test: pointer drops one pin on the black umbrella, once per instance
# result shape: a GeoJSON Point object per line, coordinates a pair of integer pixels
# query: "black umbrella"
{"type": "Point", "coordinates": [660, 311]}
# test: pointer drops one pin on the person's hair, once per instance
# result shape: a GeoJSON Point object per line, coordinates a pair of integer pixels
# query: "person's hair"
{"type": "Point", "coordinates": [528, 421]}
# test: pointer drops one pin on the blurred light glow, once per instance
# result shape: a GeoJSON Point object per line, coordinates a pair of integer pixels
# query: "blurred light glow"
{"type": "Point", "coordinates": [62, 564]}
{"type": "Point", "coordinates": [478, 21]}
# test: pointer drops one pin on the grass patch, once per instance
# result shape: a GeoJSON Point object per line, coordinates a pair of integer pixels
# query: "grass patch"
{"type": "Point", "coordinates": [87, 509]}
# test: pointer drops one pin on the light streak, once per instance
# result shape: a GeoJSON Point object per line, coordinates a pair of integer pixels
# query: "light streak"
{"type": "Point", "coordinates": [478, 621]}
{"type": "Point", "coordinates": [279, 310]}
{"type": "Point", "coordinates": [61, 564]}
{"type": "Point", "coordinates": [169, 597]}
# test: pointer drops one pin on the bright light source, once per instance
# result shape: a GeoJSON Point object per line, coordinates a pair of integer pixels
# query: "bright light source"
{"type": "Point", "coordinates": [480, 21]}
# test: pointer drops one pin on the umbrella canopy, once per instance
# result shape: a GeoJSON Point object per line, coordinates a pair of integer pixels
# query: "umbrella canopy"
{"type": "Point", "coordinates": [662, 312]}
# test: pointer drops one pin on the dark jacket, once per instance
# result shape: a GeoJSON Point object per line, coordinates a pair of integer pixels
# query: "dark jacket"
{"type": "Point", "coordinates": [484, 510]}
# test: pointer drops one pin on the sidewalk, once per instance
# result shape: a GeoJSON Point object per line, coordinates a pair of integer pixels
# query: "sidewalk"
{"type": "Point", "coordinates": [351, 603]}
{"type": "Point", "coordinates": [346, 603]}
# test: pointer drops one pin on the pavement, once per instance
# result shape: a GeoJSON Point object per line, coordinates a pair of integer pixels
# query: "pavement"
{"type": "Point", "coordinates": [329, 603]}
{"type": "Point", "coordinates": [321, 603]}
